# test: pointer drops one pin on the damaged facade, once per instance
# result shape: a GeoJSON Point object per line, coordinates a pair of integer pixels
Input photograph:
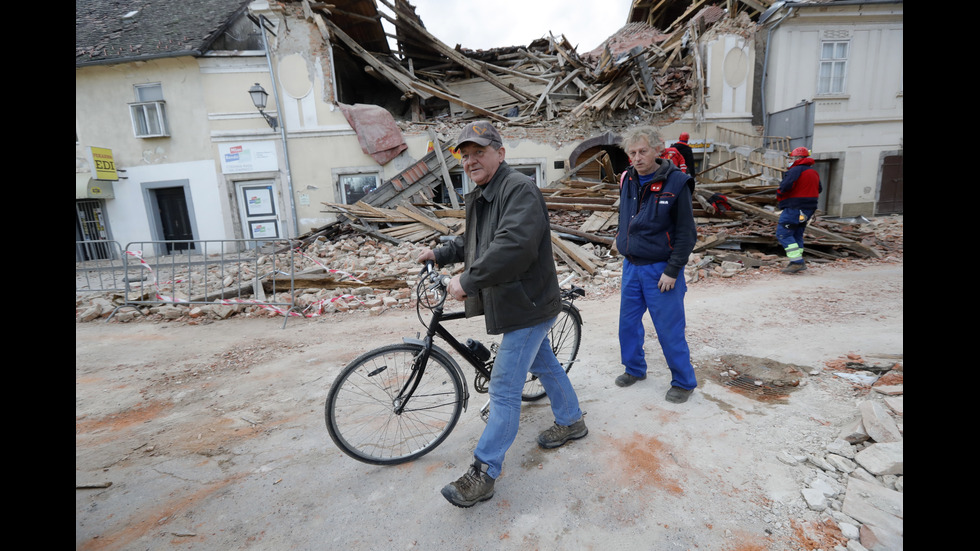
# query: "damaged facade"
{"type": "Point", "coordinates": [162, 97]}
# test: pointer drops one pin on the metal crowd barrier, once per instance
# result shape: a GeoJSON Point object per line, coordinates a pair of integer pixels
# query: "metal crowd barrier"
{"type": "Point", "coordinates": [99, 267]}
{"type": "Point", "coordinates": [234, 271]}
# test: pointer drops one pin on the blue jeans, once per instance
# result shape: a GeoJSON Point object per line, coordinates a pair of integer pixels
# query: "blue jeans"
{"type": "Point", "coordinates": [640, 294]}
{"type": "Point", "coordinates": [520, 351]}
{"type": "Point", "coordinates": [789, 232]}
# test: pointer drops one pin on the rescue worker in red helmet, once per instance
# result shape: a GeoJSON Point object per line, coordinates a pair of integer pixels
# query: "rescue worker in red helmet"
{"type": "Point", "coordinates": [685, 150]}
{"type": "Point", "coordinates": [798, 193]}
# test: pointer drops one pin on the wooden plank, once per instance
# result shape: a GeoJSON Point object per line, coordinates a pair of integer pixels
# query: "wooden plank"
{"type": "Point", "coordinates": [377, 65]}
{"type": "Point", "coordinates": [451, 53]}
{"type": "Point", "coordinates": [459, 101]}
{"type": "Point", "coordinates": [418, 217]}
{"type": "Point", "coordinates": [446, 179]}
{"type": "Point", "coordinates": [327, 281]}
{"type": "Point", "coordinates": [598, 221]}
{"type": "Point", "coordinates": [579, 206]}
{"type": "Point", "coordinates": [579, 255]}
{"type": "Point", "coordinates": [810, 229]}
{"type": "Point", "coordinates": [608, 241]}
{"type": "Point", "coordinates": [571, 263]}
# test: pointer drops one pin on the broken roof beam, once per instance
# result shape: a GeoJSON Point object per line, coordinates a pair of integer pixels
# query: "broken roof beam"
{"type": "Point", "coordinates": [694, 6]}
{"type": "Point", "coordinates": [459, 101]}
{"type": "Point", "coordinates": [393, 77]}
{"type": "Point", "coordinates": [472, 66]}
{"type": "Point", "coordinates": [534, 78]}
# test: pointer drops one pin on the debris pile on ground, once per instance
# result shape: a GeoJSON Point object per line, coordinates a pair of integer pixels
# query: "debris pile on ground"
{"type": "Point", "coordinates": [858, 479]}
{"type": "Point", "coordinates": [855, 479]}
{"type": "Point", "coordinates": [343, 268]}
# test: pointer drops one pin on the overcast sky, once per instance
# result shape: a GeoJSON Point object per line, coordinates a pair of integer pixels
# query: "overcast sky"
{"type": "Point", "coordinates": [502, 23]}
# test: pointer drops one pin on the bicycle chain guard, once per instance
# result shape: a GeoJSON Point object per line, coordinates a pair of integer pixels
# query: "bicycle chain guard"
{"type": "Point", "coordinates": [481, 383]}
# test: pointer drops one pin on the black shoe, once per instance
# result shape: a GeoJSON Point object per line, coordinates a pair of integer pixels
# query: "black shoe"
{"type": "Point", "coordinates": [557, 434]}
{"type": "Point", "coordinates": [678, 395]}
{"type": "Point", "coordinates": [471, 488]}
{"type": "Point", "coordinates": [626, 379]}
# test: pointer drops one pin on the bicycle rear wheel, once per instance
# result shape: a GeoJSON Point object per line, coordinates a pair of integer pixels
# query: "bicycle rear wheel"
{"type": "Point", "coordinates": [360, 407]}
{"type": "Point", "coordinates": [565, 337]}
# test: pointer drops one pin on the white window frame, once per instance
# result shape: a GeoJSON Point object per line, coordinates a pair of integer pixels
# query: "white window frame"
{"type": "Point", "coordinates": [341, 173]}
{"type": "Point", "coordinates": [149, 113]}
{"type": "Point", "coordinates": [832, 71]}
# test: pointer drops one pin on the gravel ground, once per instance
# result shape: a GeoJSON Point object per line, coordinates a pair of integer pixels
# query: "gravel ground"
{"type": "Point", "coordinates": [211, 436]}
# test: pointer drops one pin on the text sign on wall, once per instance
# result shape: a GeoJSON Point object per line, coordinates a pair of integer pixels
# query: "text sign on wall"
{"type": "Point", "coordinates": [103, 165]}
{"type": "Point", "coordinates": [237, 158]}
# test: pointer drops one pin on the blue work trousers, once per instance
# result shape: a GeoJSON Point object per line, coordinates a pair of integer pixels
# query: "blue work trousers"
{"type": "Point", "coordinates": [640, 294]}
{"type": "Point", "coordinates": [520, 351]}
{"type": "Point", "coordinates": [789, 232]}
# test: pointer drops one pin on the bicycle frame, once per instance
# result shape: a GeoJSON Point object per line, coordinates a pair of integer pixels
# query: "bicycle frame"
{"type": "Point", "coordinates": [435, 327]}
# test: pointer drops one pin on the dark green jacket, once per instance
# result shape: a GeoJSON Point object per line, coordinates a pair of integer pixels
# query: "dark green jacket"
{"type": "Point", "coordinates": [510, 274]}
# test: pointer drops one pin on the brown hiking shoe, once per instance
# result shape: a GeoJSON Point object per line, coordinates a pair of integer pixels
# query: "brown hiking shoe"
{"type": "Point", "coordinates": [471, 488]}
{"type": "Point", "coordinates": [557, 434]}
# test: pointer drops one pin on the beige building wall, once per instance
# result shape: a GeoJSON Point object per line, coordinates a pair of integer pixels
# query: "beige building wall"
{"type": "Point", "coordinates": [855, 128]}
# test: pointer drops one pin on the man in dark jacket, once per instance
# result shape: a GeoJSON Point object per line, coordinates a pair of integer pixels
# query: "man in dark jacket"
{"type": "Point", "coordinates": [510, 278]}
{"type": "Point", "coordinates": [798, 194]}
{"type": "Point", "coordinates": [656, 236]}
{"type": "Point", "coordinates": [685, 150]}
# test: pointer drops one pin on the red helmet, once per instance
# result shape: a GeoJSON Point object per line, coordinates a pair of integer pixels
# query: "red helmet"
{"type": "Point", "coordinates": [800, 152]}
{"type": "Point", "coordinates": [684, 137]}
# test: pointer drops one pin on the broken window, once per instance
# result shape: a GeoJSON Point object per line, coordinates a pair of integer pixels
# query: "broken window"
{"type": "Point", "coordinates": [833, 67]}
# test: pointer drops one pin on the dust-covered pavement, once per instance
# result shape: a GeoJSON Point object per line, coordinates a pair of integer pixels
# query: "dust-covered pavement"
{"type": "Point", "coordinates": [212, 436]}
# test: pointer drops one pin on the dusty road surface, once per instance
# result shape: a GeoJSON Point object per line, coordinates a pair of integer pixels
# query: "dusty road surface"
{"type": "Point", "coordinates": [213, 436]}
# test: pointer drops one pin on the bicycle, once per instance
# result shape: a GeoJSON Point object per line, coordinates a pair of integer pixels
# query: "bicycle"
{"type": "Point", "coordinates": [398, 402]}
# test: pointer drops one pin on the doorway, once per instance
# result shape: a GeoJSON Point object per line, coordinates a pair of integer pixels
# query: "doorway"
{"type": "Point", "coordinates": [891, 189]}
{"type": "Point", "coordinates": [170, 213]}
{"type": "Point", "coordinates": [175, 221]}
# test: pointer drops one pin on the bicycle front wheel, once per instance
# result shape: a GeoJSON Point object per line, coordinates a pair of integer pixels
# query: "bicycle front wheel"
{"type": "Point", "coordinates": [565, 337]}
{"type": "Point", "coordinates": [360, 409]}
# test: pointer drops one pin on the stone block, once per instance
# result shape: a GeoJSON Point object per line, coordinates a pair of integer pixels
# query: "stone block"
{"type": "Point", "coordinates": [878, 423]}
{"type": "Point", "coordinates": [883, 458]}
{"type": "Point", "coordinates": [873, 504]}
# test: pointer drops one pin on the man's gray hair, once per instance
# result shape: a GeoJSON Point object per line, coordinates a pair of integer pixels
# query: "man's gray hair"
{"type": "Point", "coordinates": [635, 135]}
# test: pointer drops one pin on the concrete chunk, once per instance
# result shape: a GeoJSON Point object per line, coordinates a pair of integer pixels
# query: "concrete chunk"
{"type": "Point", "coordinates": [854, 432]}
{"type": "Point", "coordinates": [883, 458]}
{"type": "Point", "coordinates": [878, 424]}
{"type": "Point", "coordinates": [815, 499]}
{"type": "Point", "coordinates": [875, 505]}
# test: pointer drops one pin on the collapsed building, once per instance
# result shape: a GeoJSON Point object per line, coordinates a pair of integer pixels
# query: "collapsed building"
{"type": "Point", "coordinates": [356, 135]}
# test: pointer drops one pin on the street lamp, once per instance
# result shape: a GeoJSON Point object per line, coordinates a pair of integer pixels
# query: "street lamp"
{"type": "Point", "coordinates": [259, 98]}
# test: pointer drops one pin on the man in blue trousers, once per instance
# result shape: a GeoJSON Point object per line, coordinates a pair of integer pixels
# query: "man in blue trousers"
{"type": "Point", "coordinates": [656, 236]}
{"type": "Point", "coordinates": [798, 194]}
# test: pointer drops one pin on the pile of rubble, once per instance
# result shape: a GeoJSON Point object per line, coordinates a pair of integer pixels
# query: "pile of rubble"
{"type": "Point", "coordinates": [858, 478]}
{"type": "Point", "coordinates": [347, 269]}
{"type": "Point", "coordinates": [641, 71]}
